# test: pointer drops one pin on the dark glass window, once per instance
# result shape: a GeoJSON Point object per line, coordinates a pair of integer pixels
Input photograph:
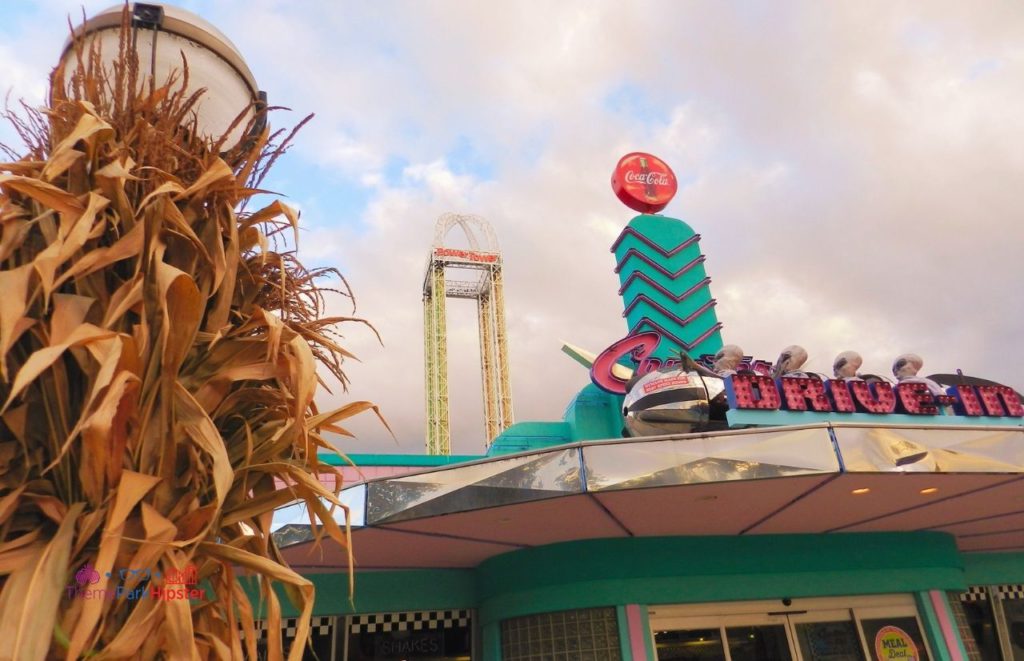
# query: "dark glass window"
{"type": "Point", "coordinates": [424, 636]}
{"type": "Point", "coordinates": [576, 635]}
{"type": "Point", "coordinates": [829, 641]}
{"type": "Point", "coordinates": [690, 645]}
{"type": "Point", "coordinates": [887, 639]}
{"type": "Point", "coordinates": [1013, 608]}
{"type": "Point", "coordinates": [756, 643]}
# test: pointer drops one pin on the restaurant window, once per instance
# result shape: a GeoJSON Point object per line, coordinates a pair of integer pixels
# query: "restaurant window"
{"type": "Point", "coordinates": [319, 645]}
{"type": "Point", "coordinates": [422, 635]}
{"type": "Point", "coordinates": [855, 628]}
{"type": "Point", "coordinates": [575, 635]}
{"type": "Point", "coordinates": [991, 620]}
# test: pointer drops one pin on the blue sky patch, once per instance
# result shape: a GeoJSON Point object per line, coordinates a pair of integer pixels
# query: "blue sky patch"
{"type": "Point", "coordinates": [465, 159]}
{"type": "Point", "coordinates": [631, 100]}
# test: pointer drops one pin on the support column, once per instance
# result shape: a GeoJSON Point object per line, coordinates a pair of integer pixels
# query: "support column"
{"type": "Point", "coordinates": [430, 367]}
{"type": "Point", "coordinates": [491, 645]}
{"type": "Point", "coordinates": [492, 415]}
{"type": "Point", "coordinates": [439, 434]}
{"type": "Point", "coordinates": [501, 337]}
{"type": "Point", "coordinates": [635, 633]}
{"type": "Point", "coordinates": [940, 626]}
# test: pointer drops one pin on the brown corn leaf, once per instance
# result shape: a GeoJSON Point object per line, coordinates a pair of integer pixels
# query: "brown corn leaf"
{"type": "Point", "coordinates": [343, 412]}
{"type": "Point", "coordinates": [16, 420]}
{"type": "Point", "coordinates": [219, 174]}
{"type": "Point", "coordinates": [68, 314]}
{"type": "Point", "coordinates": [64, 154]}
{"type": "Point", "coordinates": [15, 558]}
{"type": "Point", "coordinates": [9, 502]}
{"type": "Point", "coordinates": [42, 192]}
{"type": "Point", "coordinates": [14, 232]}
{"type": "Point", "coordinates": [184, 311]}
{"type": "Point", "coordinates": [76, 228]}
{"type": "Point", "coordinates": [105, 437]}
{"type": "Point", "coordinates": [127, 296]}
{"type": "Point", "coordinates": [58, 163]}
{"type": "Point", "coordinates": [42, 359]}
{"type": "Point", "coordinates": [135, 634]}
{"type": "Point", "coordinates": [132, 488]}
{"type": "Point", "coordinates": [162, 370]}
{"type": "Point", "coordinates": [27, 167]}
{"type": "Point", "coordinates": [254, 506]}
{"type": "Point", "coordinates": [127, 246]}
{"type": "Point", "coordinates": [26, 625]}
{"type": "Point", "coordinates": [13, 304]}
{"type": "Point", "coordinates": [178, 633]}
{"type": "Point", "coordinates": [119, 170]}
{"type": "Point", "coordinates": [275, 209]}
{"type": "Point", "coordinates": [198, 426]}
{"type": "Point", "coordinates": [166, 188]}
{"type": "Point", "coordinates": [271, 569]}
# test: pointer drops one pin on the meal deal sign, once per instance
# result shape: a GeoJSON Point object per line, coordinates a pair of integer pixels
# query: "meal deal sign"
{"type": "Point", "coordinates": [895, 643]}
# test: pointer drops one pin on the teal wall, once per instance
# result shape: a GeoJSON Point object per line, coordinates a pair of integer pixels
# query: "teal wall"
{"type": "Point", "coordinates": [654, 570]}
{"type": "Point", "coordinates": [591, 416]}
{"type": "Point", "coordinates": [594, 415]}
{"type": "Point", "coordinates": [384, 591]}
{"type": "Point", "coordinates": [662, 570]}
{"type": "Point", "coordinates": [410, 460]}
{"type": "Point", "coordinates": [524, 436]}
{"type": "Point", "coordinates": [994, 568]}
{"type": "Point", "coordinates": [657, 270]}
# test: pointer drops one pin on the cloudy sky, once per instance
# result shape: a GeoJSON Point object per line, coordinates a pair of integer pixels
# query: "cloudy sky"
{"type": "Point", "coordinates": [856, 171]}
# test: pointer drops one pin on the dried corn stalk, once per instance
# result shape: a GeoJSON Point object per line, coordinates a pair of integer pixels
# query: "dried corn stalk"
{"type": "Point", "coordinates": [157, 373]}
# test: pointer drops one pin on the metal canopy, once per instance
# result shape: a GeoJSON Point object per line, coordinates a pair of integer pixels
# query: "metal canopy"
{"type": "Point", "coordinates": [967, 481]}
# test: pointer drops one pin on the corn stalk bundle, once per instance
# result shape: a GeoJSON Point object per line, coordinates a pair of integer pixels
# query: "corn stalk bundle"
{"type": "Point", "coordinates": [158, 354]}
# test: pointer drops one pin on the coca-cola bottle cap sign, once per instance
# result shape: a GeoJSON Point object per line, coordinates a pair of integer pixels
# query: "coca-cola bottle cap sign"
{"type": "Point", "coordinates": [643, 182]}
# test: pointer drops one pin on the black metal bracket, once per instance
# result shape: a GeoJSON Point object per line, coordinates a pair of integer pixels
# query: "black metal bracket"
{"type": "Point", "coordinates": [147, 16]}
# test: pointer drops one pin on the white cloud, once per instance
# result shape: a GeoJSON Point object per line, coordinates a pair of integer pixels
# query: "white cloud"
{"type": "Point", "coordinates": [854, 171]}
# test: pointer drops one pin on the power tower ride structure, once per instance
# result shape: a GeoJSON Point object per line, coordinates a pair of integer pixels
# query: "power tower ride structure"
{"type": "Point", "coordinates": [476, 275]}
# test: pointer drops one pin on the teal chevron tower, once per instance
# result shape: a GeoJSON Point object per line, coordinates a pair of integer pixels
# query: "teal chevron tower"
{"type": "Point", "coordinates": [664, 286]}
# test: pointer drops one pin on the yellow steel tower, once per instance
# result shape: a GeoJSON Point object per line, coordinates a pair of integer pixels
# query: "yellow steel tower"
{"type": "Point", "coordinates": [481, 280]}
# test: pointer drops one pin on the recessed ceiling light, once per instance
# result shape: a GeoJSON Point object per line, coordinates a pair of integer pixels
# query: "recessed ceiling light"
{"type": "Point", "coordinates": [861, 491]}
{"type": "Point", "coordinates": [929, 490]}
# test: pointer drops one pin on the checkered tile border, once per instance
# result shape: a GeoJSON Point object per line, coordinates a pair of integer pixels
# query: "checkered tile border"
{"type": "Point", "coordinates": [974, 593]}
{"type": "Point", "coordinates": [409, 621]}
{"type": "Point", "coordinates": [318, 626]}
{"type": "Point", "coordinates": [1010, 591]}
{"type": "Point", "coordinates": [977, 592]}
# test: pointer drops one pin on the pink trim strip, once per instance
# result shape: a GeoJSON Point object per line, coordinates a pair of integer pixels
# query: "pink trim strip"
{"type": "Point", "coordinates": [637, 635]}
{"type": "Point", "coordinates": [948, 633]}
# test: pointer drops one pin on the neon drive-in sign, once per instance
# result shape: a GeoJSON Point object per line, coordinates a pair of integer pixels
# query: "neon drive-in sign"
{"type": "Point", "coordinates": [754, 391]}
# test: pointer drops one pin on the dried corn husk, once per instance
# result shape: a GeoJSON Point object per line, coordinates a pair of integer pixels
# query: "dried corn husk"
{"type": "Point", "coordinates": [158, 355]}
